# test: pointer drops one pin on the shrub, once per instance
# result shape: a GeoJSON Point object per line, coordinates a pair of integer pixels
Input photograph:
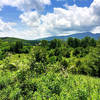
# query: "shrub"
{"type": "Point", "coordinates": [16, 47]}
{"type": "Point", "coordinates": [55, 43]}
{"type": "Point", "coordinates": [41, 55]}
{"type": "Point", "coordinates": [37, 68]}
{"type": "Point", "coordinates": [11, 67]}
{"type": "Point", "coordinates": [76, 52]}
{"type": "Point", "coordinates": [44, 43]}
{"type": "Point", "coordinates": [25, 50]}
{"type": "Point", "coordinates": [64, 63]}
{"type": "Point", "coordinates": [3, 54]}
{"type": "Point", "coordinates": [52, 59]}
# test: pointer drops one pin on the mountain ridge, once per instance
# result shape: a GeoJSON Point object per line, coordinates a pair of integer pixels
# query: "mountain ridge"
{"type": "Point", "coordinates": [77, 35]}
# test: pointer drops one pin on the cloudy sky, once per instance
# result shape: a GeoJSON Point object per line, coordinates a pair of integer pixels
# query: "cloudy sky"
{"type": "Point", "coordinates": [33, 19]}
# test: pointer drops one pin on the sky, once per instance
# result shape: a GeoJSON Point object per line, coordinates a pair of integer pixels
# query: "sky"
{"type": "Point", "coordinates": [34, 19]}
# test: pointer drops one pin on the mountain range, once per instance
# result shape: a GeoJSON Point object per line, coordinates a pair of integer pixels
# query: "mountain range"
{"type": "Point", "coordinates": [78, 35]}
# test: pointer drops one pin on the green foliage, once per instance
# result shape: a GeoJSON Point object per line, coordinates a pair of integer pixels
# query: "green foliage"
{"type": "Point", "coordinates": [57, 51]}
{"type": "Point", "coordinates": [51, 53]}
{"type": "Point", "coordinates": [92, 42]}
{"type": "Point", "coordinates": [64, 63]}
{"type": "Point", "coordinates": [40, 54]}
{"type": "Point", "coordinates": [55, 43]}
{"type": "Point", "coordinates": [44, 43]}
{"type": "Point", "coordinates": [16, 47]}
{"type": "Point", "coordinates": [76, 52]}
{"type": "Point", "coordinates": [73, 42]}
{"type": "Point", "coordinates": [37, 68]}
{"type": "Point", "coordinates": [52, 59]}
{"type": "Point", "coordinates": [80, 52]}
{"type": "Point", "coordinates": [53, 86]}
{"type": "Point", "coordinates": [25, 49]}
{"type": "Point", "coordinates": [2, 55]}
{"type": "Point", "coordinates": [70, 41]}
{"type": "Point", "coordinates": [85, 42]}
{"type": "Point", "coordinates": [47, 71]}
{"type": "Point", "coordinates": [11, 67]}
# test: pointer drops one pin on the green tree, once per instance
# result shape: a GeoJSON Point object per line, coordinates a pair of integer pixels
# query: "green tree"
{"type": "Point", "coordinates": [55, 43]}
{"type": "Point", "coordinates": [17, 47]}
{"type": "Point", "coordinates": [85, 42]}
{"type": "Point", "coordinates": [76, 42]}
{"type": "Point", "coordinates": [64, 63]}
{"type": "Point", "coordinates": [92, 42]}
{"type": "Point", "coordinates": [70, 41]}
{"type": "Point", "coordinates": [44, 43]}
{"type": "Point", "coordinates": [41, 54]}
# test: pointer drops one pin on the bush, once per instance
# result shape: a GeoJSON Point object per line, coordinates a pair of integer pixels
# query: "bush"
{"type": "Point", "coordinates": [44, 43]}
{"type": "Point", "coordinates": [2, 54]}
{"type": "Point", "coordinates": [55, 43]}
{"type": "Point", "coordinates": [37, 68]}
{"type": "Point", "coordinates": [73, 42]}
{"type": "Point", "coordinates": [11, 67]}
{"type": "Point", "coordinates": [52, 59]}
{"type": "Point", "coordinates": [16, 47]}
{"type": "Point", "coordinates": [51, 53]}
{"type": "Point", "coordinates": [25, 50]}
{"type": "Point", "coordinates": [76, 52]}
{"type": "Point", "coordinates": [41, 55]}
{"type": "Point", "coordinates": [64, 63]}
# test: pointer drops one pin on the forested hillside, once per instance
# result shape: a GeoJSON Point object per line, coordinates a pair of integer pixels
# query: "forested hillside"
{"type": "Point", "coordinates": [50, 70]}
{"type": "Point", "coordinates": [25, 42]}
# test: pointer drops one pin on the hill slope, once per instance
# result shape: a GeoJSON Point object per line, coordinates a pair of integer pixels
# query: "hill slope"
{"type": "Point", "coordinates": [26, 42]}
{"type": "Point", "coordinates": [21, 84]}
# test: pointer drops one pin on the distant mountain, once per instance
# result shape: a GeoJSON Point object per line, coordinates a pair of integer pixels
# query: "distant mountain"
{"type": "Point", "coordinates": [32, 42]}
{"type": "Point", "coordinates": [78, 35]}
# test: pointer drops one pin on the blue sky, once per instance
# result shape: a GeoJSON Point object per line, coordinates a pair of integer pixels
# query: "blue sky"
{"type": "Point", "coordinates": [12, 14]}
{"type": "Point", "coordinates": [9, 13]}
{"type": "Point", "coordinates": [32, 19]}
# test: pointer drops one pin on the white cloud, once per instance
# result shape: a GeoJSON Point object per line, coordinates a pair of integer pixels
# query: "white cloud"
{"type": "Point", "coordinates": [8, 30]}
{"type": "Point", "coordinates": [96, 30]}
{"type": "Point", "coordinates": [6, 27]}
{"type": "Point", "coordinates": [61, 21]}
{"type": "Point", "coordinates": [31, 18]}
{"type": "Point", "coordinates": [26, 5]}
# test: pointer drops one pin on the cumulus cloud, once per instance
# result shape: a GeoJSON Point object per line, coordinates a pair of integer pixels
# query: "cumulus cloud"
{"type": "Point", "coordinates": [60, 21]}
{"type": "Point", "coordinates": [26, 5]}
{"type": "Point", "coordinates": [6, 27]}
{"type": "Point", "coordinates": [73, 19]}
{"type": "Point", "coordinates": [96, 29]}
{"type": "Point", "coordinates": [31, 18]}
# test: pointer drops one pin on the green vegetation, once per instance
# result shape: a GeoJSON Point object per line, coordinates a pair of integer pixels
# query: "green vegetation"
{"type": "Point", "coordinates": [50, 70]}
